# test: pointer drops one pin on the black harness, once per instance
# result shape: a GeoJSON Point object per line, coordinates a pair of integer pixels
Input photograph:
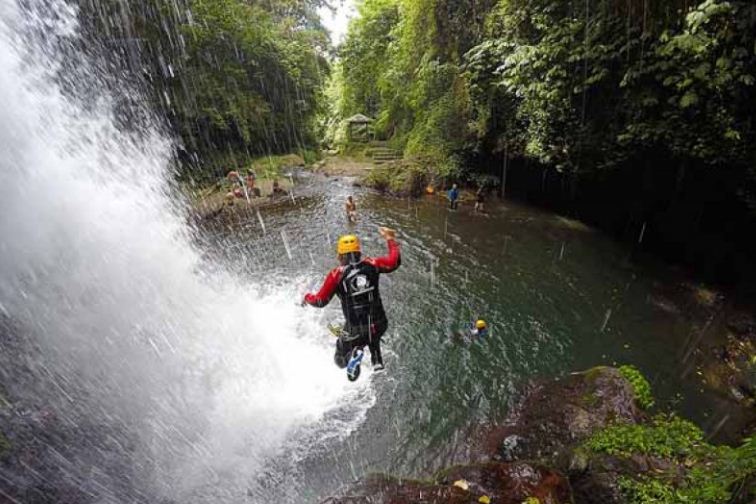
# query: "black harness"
{"type": "Point", "coordinates": [360, 298]}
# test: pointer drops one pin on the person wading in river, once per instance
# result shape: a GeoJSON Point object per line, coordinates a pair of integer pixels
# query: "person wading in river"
{"type": "Point", "coordinates": [453, 196]}
{"type": "Point", "coordinates": [480, 199]}
{"type": "Point", "coordinates": [355, 282]}
{"type": "Point", "coordinates": [351, 209]}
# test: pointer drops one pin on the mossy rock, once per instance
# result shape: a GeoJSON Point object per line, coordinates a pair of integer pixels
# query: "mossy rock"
{"type": "Point", "coordinates": [406, 177]}
{"type": "Point", "coordinates": [663, 461]}
{"type": "Point", "coordinates": [560, 414]}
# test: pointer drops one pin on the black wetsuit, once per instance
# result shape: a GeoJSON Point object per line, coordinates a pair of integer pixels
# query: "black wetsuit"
{"type": "Point", "coordinates": [363, 311]}
{"type": "Point", "coordinates": [356, 285]}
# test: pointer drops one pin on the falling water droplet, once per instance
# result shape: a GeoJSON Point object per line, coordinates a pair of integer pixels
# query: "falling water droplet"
{"type": "Point", "coordinates": [642, 232]}
{"type": "Point", "coordinates": [433, 270]}
{"type": "Point", "coordinates": [262, 223]}
{"type": "Point", "coordinates": [606, 319]}
{"type": "Point", "coordinates": [286, 244]}
{"type": "Point", "coordinates": [561, 252]}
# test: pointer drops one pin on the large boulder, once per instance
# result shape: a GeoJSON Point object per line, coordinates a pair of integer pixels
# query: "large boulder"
{"type": "Point", "coordinates": [499, 482]}
{"type": "Point", "coordinates": [560, 414]}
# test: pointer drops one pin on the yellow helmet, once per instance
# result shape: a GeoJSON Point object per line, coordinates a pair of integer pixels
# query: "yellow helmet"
{"type": "Point", "coordinates": [480, 324]}
{"type": "Point", "coordinates": [348, 244]}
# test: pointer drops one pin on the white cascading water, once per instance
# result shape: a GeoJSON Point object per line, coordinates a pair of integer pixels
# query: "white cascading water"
{"type": "Point", "coordinates": [97, 266]}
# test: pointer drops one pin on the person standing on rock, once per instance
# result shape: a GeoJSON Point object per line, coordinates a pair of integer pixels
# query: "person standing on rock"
{"type": "Point", "coordinates": [355, 282]}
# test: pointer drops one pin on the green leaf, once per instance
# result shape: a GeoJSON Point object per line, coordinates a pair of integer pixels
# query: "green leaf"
{"type": "Point", "coordinates": [689, 99]}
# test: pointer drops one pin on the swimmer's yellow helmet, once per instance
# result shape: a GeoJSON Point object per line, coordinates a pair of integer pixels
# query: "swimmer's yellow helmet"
{"type": "Point", "coordinates": [480, 324]}
{"type": "Point", "coordinates": [348, 244]}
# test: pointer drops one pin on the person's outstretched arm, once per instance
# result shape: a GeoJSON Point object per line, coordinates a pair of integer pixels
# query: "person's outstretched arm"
{"type": "Point", "coordinates": [393, 260]}
{"type": "Point", "coordinates": [326, 292]}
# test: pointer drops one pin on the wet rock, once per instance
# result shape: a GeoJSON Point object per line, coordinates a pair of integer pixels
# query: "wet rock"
{"type": "Point", "coordinates": [388, 490]}
{"type": "Point", "coordinates": [731, 368]}
{"type": "Point", "coordinates": [560, 414]}
{"type": "Point", "coordinates": [742, 325]}
{"type": "Point", "coordinates": [502, 483]}
{"type": "Point", "coordinates": [511, 482]}
{"type": "Point", "coordinates": [598, 488]}
{"type": "Point", "coordinates": [598, 482]}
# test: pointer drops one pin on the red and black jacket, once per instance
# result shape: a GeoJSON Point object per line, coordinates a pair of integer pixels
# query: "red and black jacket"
{"type": "Point", "coordinates": [357, 288]}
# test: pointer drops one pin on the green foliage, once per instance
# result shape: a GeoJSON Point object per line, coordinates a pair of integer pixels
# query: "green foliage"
{"type": "Point", "coordinates": [364, 57]}
{"type": "Point", "coordinates": [641, 387]}
{"type": "Point", "coordinates": [667, 436]}
{"type": "Point", "coordinates": [234, 79]}
{"type": "Point", "coordinates": [401, 63]}
{"type": "Point", "coordinates": [710, 474]}
{"type": "Point", "coordinates": [703, 74]}
{"type": "Point", "coordinates": [573, 85]}
{"type": "Point", "coordinates": [272, 166]}
{"type": "Point", "coordinates": [401, 178]}
{"type": "Point", "coordinates": [257, 79]}
{"type": "Point", "coordinates": [544, 82]}
{"type": "Point", "coordinates": [647, 491]}
{"type": "Point", "coordinates": [310, 156]}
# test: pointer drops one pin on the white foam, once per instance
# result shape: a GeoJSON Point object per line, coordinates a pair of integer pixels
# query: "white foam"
{"type": "Point", "coordinates": [95, 260]}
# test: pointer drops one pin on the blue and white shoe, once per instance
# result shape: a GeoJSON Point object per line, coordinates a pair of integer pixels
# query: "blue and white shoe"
{"type": "Point", "coordinates": [353, 367]}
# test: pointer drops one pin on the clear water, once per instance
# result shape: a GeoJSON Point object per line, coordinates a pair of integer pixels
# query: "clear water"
{"type": "Point", "coordinates": [559, 297]}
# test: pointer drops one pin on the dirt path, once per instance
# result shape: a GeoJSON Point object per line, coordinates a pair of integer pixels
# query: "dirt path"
{"type": "Point", "coordinates": [343, 166]}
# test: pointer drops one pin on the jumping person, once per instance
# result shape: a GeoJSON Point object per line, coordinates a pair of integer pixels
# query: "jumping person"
{"type": "Point", "coordinates": [355, 282]}
{"type": "Point", "coordinates": [351, 209]}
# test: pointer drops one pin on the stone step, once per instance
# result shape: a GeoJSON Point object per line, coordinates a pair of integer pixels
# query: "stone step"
{"type": "Point", "coordinates": [384, 154]}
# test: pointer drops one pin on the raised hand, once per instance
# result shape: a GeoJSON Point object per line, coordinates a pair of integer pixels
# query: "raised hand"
{"type": "Point", "coordinates": [387, 233]}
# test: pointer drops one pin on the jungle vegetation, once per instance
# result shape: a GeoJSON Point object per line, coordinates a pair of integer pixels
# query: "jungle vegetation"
{"type": "Point", "coordinates": [635, 115]}
{"type": "Point", "coordinates": [229, 80]}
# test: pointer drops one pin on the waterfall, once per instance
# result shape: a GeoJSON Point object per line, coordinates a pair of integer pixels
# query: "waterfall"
{"type": "Point", "coordinates": [149, 378]}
